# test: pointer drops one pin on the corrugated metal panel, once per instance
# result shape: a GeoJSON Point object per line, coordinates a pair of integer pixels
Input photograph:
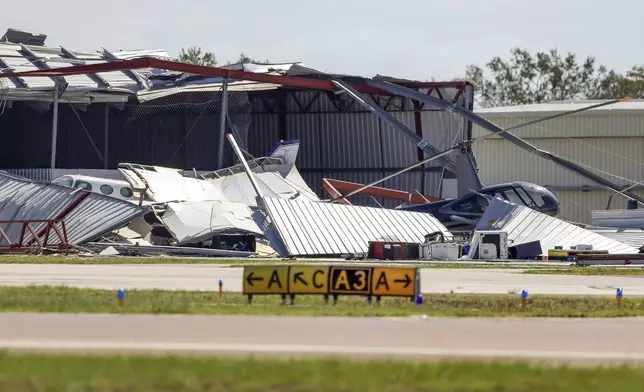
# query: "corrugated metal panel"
{"type": "Point", "coordinates": [618, 218]}
{"type": "Point", "coordinates": [73, 80]}
{"type": "Point", "coordinates": [433, 184]}
{"type": "Point", "coordinates": [619, 156]}
{"type": "Point", "coordinates": [93, 216]}
{"type": "Point", "coordinates": [524, 225]}
{"type": "Point", "coordinates": [636, 105]}
{"type": "Point", "coordinates": [11, 54]}
{"type": "Point", "coordinates": [34, 174]}
{"type": "Point", "coordinates": [306, 128]}
{"type": "Point", "coordinates": [578, 125]}
{"type": "Point", "coordinates": [576, 206]}
{"type": "Point", "coordinates": [21, 64]}
{"type": "Point", "coordinates": [316, 229]}
{"type": "Point", "coordinates": [442, 130]}
{"type": "Point", "coordinates": [23, 200]}
{"type": "Point", "coordinates": [46, 174]}
{"type": "Point", "coordinates": [318, 102]}
{"type": "Point", "coordinates": [263, 134]}
{"type": "Point", "coordinates": [351, 140]}
{"type": "Point", "coordinates": [632, 237]}
{"type": "Point", "coordinates": [398, 150]}
{"type": "Point", "coordinates": [97, 215]}
{"type": "Point", "coordinates": [115, 78]}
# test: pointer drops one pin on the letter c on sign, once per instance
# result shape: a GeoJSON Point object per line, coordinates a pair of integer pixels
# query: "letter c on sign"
{"type": "Point", "coordinates": [318, 286]}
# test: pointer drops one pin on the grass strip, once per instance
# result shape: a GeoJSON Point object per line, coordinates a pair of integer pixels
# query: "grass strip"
{"type": "Point", "coordinates": [62, 259]}
{"type": "Point", "coordinates": [76, 300]}
{"type": "Point", "coordinates": [31, 372]}
{"type": "Point", "coordinates": [588, 271]}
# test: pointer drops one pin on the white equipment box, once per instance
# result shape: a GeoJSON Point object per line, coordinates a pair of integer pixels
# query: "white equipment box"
{"type": "Point", "coordinates": [493, 245]}
{"type": "Point", "coordinates": [445, 250]}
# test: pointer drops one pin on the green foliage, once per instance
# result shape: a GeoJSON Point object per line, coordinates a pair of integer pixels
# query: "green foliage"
{"type": "Point", "coordinates": [194, 55]}
{"type": "Point", "coordinates": [246, 59]}
{"type": "Point", "coordinates": [129, 373]}
{"type": "Point", "coordinates": [527, 78]}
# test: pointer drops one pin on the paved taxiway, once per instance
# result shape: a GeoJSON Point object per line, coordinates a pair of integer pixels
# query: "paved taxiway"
{"type": "Point", "coordinates": [577, 340]}
{"type": "Point", "coordinates": [205, 277]}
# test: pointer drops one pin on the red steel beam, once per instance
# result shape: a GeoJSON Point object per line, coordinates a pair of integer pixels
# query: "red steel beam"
{"type": "Point", "coordinates": [143, 63]}
{"type": "Point", "coordinates": [27, 225]}
{"type": "Point", "coordinates": [376, 191]}
{"type": "Point", "coordinates": [332, 191]}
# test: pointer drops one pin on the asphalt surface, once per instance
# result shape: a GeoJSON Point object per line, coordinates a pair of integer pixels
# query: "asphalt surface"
{"type": "Point", "coordinates": [569, 340]}
{"type": "Point", "coordinates": [205, 277]}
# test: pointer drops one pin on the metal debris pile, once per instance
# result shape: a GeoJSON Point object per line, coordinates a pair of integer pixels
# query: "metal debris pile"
{"type": "Point", "coordinates": [263, 207]}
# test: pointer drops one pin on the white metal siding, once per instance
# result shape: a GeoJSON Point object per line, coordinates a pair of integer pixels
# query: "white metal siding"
{"type": "Point", "coordinates": [606, 141]}
{"type": "Point", "coordinates": [576, 205]}
{"type": "Point", "coordinates": [577, 125]}
{"type": "Point", "coordinates": [501, 161]}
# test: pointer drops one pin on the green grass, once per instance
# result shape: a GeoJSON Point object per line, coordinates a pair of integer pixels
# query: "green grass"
{"type": "Point", "coordinates": [62, 259]}
{"type": "Point", "coordinates": [603, 271]}
{"type": "Point", "coordinates": [31, 373]}
{"type": "Point", "coordinates": [65, 299]}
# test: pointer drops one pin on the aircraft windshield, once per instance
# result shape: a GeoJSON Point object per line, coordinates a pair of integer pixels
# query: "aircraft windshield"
{"type": "Point", "coordinates": [537, 194]}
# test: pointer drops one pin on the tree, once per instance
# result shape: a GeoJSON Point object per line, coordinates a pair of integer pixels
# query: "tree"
{"type": "Point", "coordinates": [617, 86]}
{"type": "Point", "coordinates": [194, 55]}
{"type": "Point", "coordinates": [547, 76]}
{"type": "Point", "coordinates": [245, 59]}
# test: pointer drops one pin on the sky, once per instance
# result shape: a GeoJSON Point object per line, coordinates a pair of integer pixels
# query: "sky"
{"type": "Point", "coordinates": [413, 39]}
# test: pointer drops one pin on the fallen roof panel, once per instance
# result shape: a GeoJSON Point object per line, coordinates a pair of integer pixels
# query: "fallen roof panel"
{"type": "Point", "coordinates": [86, 215]}
{"type": "Point", "coordinates": [308, 228]}
{"type": "Point", "coordinates": [524, 225]}
{"type": "Point", "coordinates": [195, 221]}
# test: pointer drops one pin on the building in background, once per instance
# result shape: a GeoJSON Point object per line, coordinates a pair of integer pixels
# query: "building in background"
{"type": "Point", "coordinates": [155, 117]}
{"type": "Point", "coordinates": [609, 141]}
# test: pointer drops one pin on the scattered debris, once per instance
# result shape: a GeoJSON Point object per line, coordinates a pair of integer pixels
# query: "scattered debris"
{"type": "Point", "coordinates": [195, 221]}
{"type": "Point", "coordinates": [131, 250]}
{"type": "Point", "coordinates": [524, 225]}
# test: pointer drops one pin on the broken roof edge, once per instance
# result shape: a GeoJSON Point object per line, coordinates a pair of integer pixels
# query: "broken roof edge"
{"type": "Point", "coordinates": [314, 82]}
{"type": "Point", "coordinates": [66, 188]}
{"type": "Point", "coordinates": [634, 106]}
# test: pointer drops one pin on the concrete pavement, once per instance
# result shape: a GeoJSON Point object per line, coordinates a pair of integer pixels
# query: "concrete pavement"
{"type": "Point", "coordinates": [576, 340]}
{"type": "Point", "coordinates": [205, 277]}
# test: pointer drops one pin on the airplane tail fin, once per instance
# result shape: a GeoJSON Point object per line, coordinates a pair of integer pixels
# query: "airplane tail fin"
{"type": "Point", "coordinates": [286, 150]}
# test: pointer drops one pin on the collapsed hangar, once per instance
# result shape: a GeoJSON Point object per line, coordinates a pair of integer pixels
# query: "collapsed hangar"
{"type": "Point", "coordinates": [168, 118]}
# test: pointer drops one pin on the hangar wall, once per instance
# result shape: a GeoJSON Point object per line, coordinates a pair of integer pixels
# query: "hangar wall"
{"type": "Point", "coordinates": [608, 141]}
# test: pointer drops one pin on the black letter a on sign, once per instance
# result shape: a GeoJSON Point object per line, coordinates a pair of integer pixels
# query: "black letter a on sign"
{"type": "Point", "coordinates": [382, 280]}
{"type": "Point", "coordinates": [275, 278]}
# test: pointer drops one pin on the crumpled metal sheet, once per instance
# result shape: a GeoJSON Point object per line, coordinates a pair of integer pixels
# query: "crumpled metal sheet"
{"type": "Point", "coordinates": [87, 216]}
{"type": "Point", "coordinates": [524, 225]}
{"type": "Point", "coordinates": [194, 221]}
{"type": "Point", "coordinates": [238, 188]}
{"type": "Point", "coordinates": [167, 184]}
{"type": "Point", "coordinates": [306, 228]}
